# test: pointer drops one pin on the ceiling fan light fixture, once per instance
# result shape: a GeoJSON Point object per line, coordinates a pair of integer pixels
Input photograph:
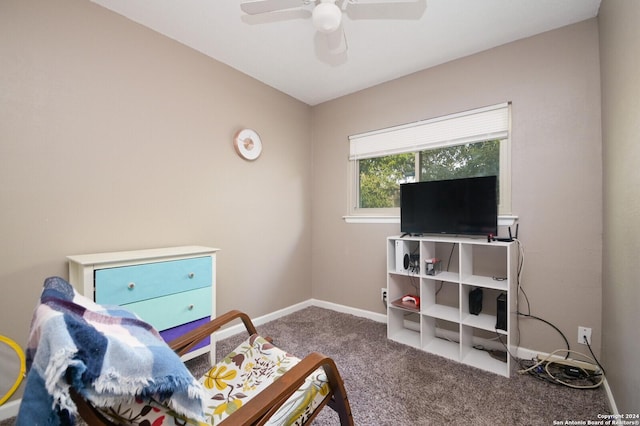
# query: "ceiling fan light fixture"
{"type": "Point", "coordinates": [327, 16]}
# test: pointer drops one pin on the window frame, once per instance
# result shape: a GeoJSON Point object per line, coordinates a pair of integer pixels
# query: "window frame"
{"type": "Point", "coordinates": [431, 134]}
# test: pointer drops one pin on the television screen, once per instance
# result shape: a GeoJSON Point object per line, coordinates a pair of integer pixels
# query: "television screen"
{"type": "Point", "coordinates": [466, 206]}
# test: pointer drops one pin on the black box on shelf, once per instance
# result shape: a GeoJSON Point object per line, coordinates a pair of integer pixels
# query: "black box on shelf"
{"type": "Point", "coordinates": [475, 301]}
{"type": "Point", "coordinates": [501, 312]}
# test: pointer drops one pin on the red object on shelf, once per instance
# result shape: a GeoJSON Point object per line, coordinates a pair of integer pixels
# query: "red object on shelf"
{"type": "Point", "coordinates": [410, 298]}
{"type": "Point", "coordinates": [408, 301]}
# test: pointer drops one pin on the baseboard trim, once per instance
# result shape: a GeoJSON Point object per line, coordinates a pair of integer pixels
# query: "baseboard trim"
{"type": "Point", "coordinates": [349, 310]}
{"type": "Point", "coordinates": [10, 409]}
{"type": "Point", "coordinates": [612, 403]}
{"type": "Point", "coordinates": [258, 321]}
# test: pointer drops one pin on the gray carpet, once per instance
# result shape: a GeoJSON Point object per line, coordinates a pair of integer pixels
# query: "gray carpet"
{"type": "Point", "coordinates": [392, 384]}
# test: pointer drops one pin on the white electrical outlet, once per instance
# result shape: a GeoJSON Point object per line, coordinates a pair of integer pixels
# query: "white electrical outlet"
{"type": "Point", "coordinates": [582, 333]}
{"type": "Point", "coordinates": [383, 294]}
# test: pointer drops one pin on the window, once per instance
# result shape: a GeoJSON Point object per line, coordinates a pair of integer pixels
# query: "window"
{"type": "Point", "coordinates": [469, 144]}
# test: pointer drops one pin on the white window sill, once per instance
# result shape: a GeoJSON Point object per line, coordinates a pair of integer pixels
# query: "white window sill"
{"type": "Point", "coordinates": [371, 219]}
{"type": "Point", "coordinates": [503, 220]}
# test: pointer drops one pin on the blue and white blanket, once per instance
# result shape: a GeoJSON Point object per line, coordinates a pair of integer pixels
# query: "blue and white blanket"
{"type": "Point", "coordinates": [106, 353]}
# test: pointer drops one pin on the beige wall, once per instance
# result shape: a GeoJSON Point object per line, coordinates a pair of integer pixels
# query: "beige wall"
{"type": "Point", "coordinates": [553, 81]}
{"type": "Point", "coordinates": [619, 47]}
{"type": "Point", "coordinates": [113, 137]}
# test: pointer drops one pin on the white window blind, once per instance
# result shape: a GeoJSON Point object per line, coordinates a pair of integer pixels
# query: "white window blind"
{"type": "Point", "coordinates": [487, 123]}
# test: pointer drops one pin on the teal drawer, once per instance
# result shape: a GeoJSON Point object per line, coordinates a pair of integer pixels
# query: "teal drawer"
{"type": "Point", "coordinates": [176, 309]}
{"type": "Point", "coordinates": [128, 284]}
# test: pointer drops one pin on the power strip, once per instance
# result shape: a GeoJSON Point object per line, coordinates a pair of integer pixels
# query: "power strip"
{"type": "Point", "coordinates": [572, 362]}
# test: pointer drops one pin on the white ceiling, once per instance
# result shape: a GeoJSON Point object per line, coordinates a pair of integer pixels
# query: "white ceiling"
{"type": "Point", "coordinates": [385, 42]}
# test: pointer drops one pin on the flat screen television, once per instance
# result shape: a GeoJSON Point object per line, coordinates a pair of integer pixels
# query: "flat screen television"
{"type": "Point", "coordinates": [467, 206]}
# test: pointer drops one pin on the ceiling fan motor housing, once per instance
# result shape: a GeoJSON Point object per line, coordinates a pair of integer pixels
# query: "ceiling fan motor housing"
{"type": "Point", "coordinates": [327, 16]}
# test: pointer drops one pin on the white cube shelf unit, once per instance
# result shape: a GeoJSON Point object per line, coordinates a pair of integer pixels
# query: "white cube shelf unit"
{"type": "Point", "coordinates": [442, 323]}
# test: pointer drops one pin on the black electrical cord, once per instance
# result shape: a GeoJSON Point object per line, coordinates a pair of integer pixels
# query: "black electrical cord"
{"type": "Point", "coordinates": [415, 269]}
{"type": "Point", "coordinates": [513, 357]}
{"type": "Point", "coordinates": [453, 246]}
{"type": "Point", "coordinates": [593, 355]}
{"type": "Point", "coordinates": [528, 314]}
{"type": "Point", "coordinates": [519, 287]}
{"type": "Point", "coordinates": [554, 327]}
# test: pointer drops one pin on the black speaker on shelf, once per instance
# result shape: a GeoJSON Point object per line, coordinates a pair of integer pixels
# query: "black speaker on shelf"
{"type": "Point", "coordinates": [475, 301]}
{"type": "Point", "coordinates": [411, 262]}
{"type": "Point", "coordinates": [501, 312]}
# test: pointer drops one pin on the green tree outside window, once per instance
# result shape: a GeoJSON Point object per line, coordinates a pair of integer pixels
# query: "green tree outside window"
{"type": "Point", "coordinates": [380, 177]}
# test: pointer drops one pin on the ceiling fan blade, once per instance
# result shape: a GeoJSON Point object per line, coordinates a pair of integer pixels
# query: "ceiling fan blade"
{"type": "Point", "coordinates": [381, 1]}
{"type": "Point", "coordinates": [255, 7]}
{"type": "Point", "coordinates": [386, 9]}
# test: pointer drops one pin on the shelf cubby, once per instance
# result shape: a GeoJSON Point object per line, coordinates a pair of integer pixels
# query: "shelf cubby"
{"type": "Point", "coordinates": [400, 329]}
{"type": "Point", "coordinates": [434, 340]}
{"type": "Point", "coordinates": [481, 358]}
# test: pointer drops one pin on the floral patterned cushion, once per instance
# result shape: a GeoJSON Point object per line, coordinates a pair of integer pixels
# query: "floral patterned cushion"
{"type": "Point", "coordinates": [244, 373]}
{"type": "Point", "coordinates": [146, 412]}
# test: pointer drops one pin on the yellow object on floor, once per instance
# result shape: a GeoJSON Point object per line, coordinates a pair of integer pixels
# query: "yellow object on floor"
{"type": "Point", "coordinates": [22, 368]}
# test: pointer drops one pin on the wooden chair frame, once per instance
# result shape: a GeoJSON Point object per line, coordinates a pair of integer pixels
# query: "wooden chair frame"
{"type": "Point", "coordinates": [259, 409]}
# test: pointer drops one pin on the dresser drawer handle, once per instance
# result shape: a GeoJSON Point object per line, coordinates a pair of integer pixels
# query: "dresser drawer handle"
{"type": "Point", "coordinates": [131, 286]}
{"type": "Point", "coordinates": [191, 275]}
{"type": "Point", "coordinates": [191, 307]}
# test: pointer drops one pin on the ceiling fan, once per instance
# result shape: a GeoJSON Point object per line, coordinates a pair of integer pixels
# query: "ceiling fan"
{"type": "Point", "coordinates": [326, 15]}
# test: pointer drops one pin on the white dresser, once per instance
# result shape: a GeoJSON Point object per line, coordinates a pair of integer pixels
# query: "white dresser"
{"type": "Point", "coordinates": [172, 288]}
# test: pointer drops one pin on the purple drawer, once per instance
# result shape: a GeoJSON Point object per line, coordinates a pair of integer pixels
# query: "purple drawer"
{"type": "Point", "coordinates": [172, 333]}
